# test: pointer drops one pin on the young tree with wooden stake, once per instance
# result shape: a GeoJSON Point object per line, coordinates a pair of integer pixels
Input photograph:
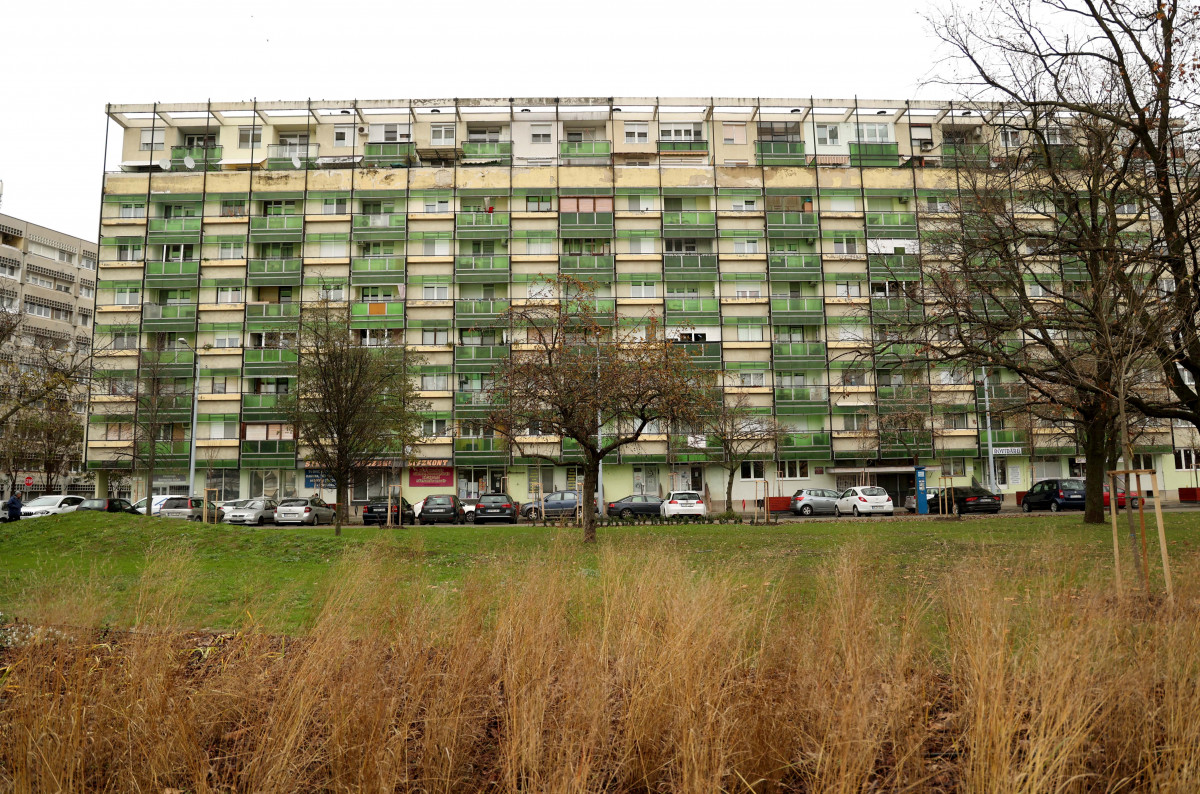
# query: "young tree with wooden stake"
{"type": "Point", "coordinates": [577, 375]}
{"type": "Point", "coordinates": [738, 431]}
{"type": "Point", "coordinates": [354, 406]}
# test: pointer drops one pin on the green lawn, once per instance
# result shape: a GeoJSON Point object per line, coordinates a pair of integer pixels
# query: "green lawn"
{"type": "Point", "coordinates": [236, 571]}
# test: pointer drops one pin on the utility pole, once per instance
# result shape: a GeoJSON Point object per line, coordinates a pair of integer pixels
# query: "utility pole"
{"type": "Point", "coordinates": [987, 418]}
{"type": "Point", "coordinates": [191, 482]}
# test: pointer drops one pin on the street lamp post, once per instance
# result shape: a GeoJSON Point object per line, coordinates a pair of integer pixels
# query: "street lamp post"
{"type": "Point", "coordinates": [987, 414]}
{"type": "Point", "coordinates": [191, 483]}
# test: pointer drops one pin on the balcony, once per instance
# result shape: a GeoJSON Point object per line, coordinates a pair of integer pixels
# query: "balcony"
{"type": "Point", "coordinates": [262, 362]}
{"type": "Point", "coordinates": [692, 311]}
{"type": "Point", "coordinates": [893, 310]}
{"type": "Point", "coordinates": [705, 355]}
{"type": "Point", "coordinates": [389, 155]}
{"type": "Point", "coordinates": [368, 271]}
{"type": "Point", "coordinates": [690, 267]}
{"type": "Point", "coordinates": [262, 408]}
{"type": "Point", "coordinates": [798, 354]}
{"type": "Point", "coordinates": [895, 398]}
{"type": "Point", "coordinates": [965, 155]}
{"type": "Point", "coordinates": [695, 448]}
{"type": "Point", "coordinates": [479, 358]}
{"type": "Point", "coordinates": [905, 444]}
{"type": "Point", "coordinates": [273, 272]}
{"type": "Point", "coordinates": [1004, 438]}
{"type": "Point", "coordinates": [167, 454]}
{"type": "Point", "coordinates": [794, 267]}
{"type": "Point", "coordinates": [168, 363]}
{"type": "Point", "coordinates": [816, 446]}
{"type": "Point", "coordinates": [588, 267]}
{"type": "Point", "coordinates": [172, 274]}
{"type": "Point", "coordinates": [791, 224]}
{"type": "Point", "coordinates": [488, 269]}
{"type": "Point", "coordinates": [173, 231]}
{"type": "Point", "coordinates": [802, 400]}
{"type": "Point", "coordinates": [203, 158]}
{"type": "Point", "coordinates": [487, 152]}
{"type": "Point", "coordinates": [874, 155]}
{"type": "Point", "coordinates": [480, 450]}
{"type": "Point", "coordinates": [473, 404]}
{"type": "Point", "coordinates": [479, 313]}
{"type": "Point", "coordinates": [377, 314]}
{"type": "Point", "coordinates": [271, 316]}
{"type": "Point", "coordinates": [1001, 395]}
{"type": "Point", "coordinates": [291, 156]}
{"type": "Point", "coordinates": [797, 311]}
{"type": "Point", "coordinates": [381, 226]}
{"type": "Point", "coordinates": [481, 225]}
{"type": "Point", "coordinates": [880, 224]}
{"type": "Point", "coordinates": [268, 454]}
{"type": "Point", "coordinates": [689, 224]}
{"type": "Point", "coordinates": [587, 150]}
{"type": "Point", "coordinates": [169, 318]}
{"type": "Point", "coordinates": [277, 229]}
{"type": "Point", "coordinates": [894, 267]}
{"type": "Point", "coordinates": [683, 147]}
{"type": "Point", "coordinates": [585, 224]}
{"type": "Point", "coordinates": [780, 152]}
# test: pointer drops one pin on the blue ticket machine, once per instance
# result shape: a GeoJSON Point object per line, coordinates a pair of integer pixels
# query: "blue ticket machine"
{"type": "Point", "coordinates": [922, 501]}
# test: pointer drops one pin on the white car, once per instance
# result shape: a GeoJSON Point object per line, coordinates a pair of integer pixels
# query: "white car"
{"type": "Point", "coordinates": [50, 505]}
{"type": "Point", "coordinates": [303, 510]}
{"type": "Point", "coordinates": [156, 504]}
{"type": "Point", "coordinates": [682, 503]}
{"type": "Point", "coordinates": [864, 500]}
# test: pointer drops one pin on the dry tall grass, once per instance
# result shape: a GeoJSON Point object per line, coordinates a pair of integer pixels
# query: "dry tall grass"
{"type": "Point", "coordinates": [639, 675]}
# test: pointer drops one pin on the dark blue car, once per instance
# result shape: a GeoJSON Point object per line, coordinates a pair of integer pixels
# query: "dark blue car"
{"type": "Point", "coordinates": [1054, 495]}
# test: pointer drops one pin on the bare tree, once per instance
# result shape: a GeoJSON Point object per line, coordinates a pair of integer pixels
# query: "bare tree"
{"type": "Point", "coordinates": [735, 431]}
{"type": "Point", "coordinates": [54, 436]}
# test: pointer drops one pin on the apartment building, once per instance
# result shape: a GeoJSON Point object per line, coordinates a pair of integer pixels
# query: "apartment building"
{"type": "Point", "coordinates": [773, 236]}
{"type": "Point", "coordinates": [49, 279]}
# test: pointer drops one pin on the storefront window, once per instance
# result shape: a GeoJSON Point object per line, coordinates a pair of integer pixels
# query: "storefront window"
{"type": "Point", "coordinates": [225, 482]}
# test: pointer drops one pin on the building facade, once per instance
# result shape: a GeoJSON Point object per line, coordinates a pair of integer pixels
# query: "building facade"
{"type": "Point", "coordinates": [773, 236]}
{"type": "Point", "coordinates": [48, 283]}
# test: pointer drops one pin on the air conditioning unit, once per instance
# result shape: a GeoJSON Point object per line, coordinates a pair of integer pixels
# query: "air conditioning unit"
{"type": "Point", "coordinates": [903, 199]}
{"type": "Point", "coordinates": [977, 132]}
{"type": "Point", "coordinates": [927, 146]}
{"type": "Point", "coordinates": [361, 130]}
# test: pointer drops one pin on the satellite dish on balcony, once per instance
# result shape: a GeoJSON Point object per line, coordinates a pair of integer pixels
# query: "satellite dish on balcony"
{"type": "Point", "coordinates": [295, 161]}
{"type": "Point", "coordinates": [190, 162]}
{"type": "Point", "coordinates": [165, 164]}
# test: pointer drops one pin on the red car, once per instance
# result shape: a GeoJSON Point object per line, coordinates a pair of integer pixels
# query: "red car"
{"type": "Point", "coordinates": [1120, 499]}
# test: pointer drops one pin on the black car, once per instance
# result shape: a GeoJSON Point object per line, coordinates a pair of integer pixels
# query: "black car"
{"type": "Point", "coordinates": [443, 507]}
{"type": "Point", "coordinates": [375, 512]}
{"type": "Point", "coordinates": [496, 507]}
{"type": "Point", "coordinates": [108, 506]}
{"type": "Point", "coordinates": [967, 499]}
{"type": "Point", "coordinates": [635, 505]}
{"type": "Point", "coordinates": [1055, 495]}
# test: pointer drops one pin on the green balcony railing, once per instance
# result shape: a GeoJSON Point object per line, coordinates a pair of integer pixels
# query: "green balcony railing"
{"type": "Point", "coordinates": [166, 453]}
{"type": "Point", "coordinates": [1003, 438]}
{"type": "Point", "coordinates": [172, 274]}
{"type": "Point", "coordinates": [1002, 393]}
{"type": "Point", "coordinates": [894, 267]}
{"type": "Point", "coordinates": [168, 317]}
{"type": "Point", "coordinates": [794, 353]}
{"type": "Point", "coordinates": [269, 453]}
{"type": "Point", "coordinates": [288, 156]}
{"type": "Point", "coordinates": [689, 267]}
{"type": "Point", "coordinates": [894, 221]}
{"type": "Point", "coordinates": [874, 155]}
{"type": "Point", "coordinates": [272, 360]}
{"type": "Point", "coordinates": [780, 152]}
{"type": "Point", "coordinates": [272, 314]}
{"type": "Point", "coordinates": [801, 310]}
{"type": "Point", "coordinates": [894, 309]}
{"type": "Point", "coordinates": [380, 226]}
{"type": "Point", "coordinates": [485, 313]}
{"type": "Point", "coordinates": [693, 311]}
{"type": "Point", "coordinates": [481, 450]}
{"type": "Point", "coordinates": [173, 226]}
{"type": "Point", "coordinates": [791, 224]}
{"type": "Point", "coordinates": [481, 225]}
{"type": "Point", "coordinates": [964, 155]}
{"type": "Point", "coordinates": [683, 146]}
{"type": "Point", "coordinates": [481, 268]}
{"type": "Point", "coordinates": [802, 400]}
{"type": "Point", "coordinates": [797, 267]}
{"type": "Point", "coordinates": [261, 407]}
{"type": "Point", "coordinates": [912, 395]}
{"type": "Point", "coordinates": [705, 355]}
{"type": "Point", "coordinates": [689, 224]}
{"type": "Point", "coordinates": [905, 444]}
{"type": "Point", "coordinates": [585, 224]}
{"type": "Point", "coordinates": [377, 270]}
{"type": "Point", "coordinates": [173, 362]}
{"type": "Point", "coordinates": [273, 272]}
{"type": "Point", "coordinates": [394, 155]}
{"type": "Point", "coordinates": [499, 150]}
{"type": "Point", "coordinates": [377, 314]}
{"type": "Point", "coordinates": [584, 148]}
{"type": "Point", "coordinates": [479, 358]}
{"type": "Point", "coordinates": [202, 158]}
{"type": "Point", "coordinates": [586, 265]}
{"type": "Point", "coordinates": [277, 228]}
{"type": "Point", "coordinates": [799, 445]}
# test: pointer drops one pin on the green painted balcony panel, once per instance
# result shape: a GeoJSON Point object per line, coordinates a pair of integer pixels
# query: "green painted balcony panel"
{"type": "Point", "coordinates": [964, 155]}
{"type": "Point", "coordinates": [802, 400]}
{"type": "Point", "coordinates": [1006, 394]}
{"type": "Point", "coordinates": [910, 396]}
{"type": "Point", "coordinates": [481, 268]}
{"type": "Point", "coordinates": [473, 404]}
{"type": "Point", "coordinates": [694, 147]}
{"type": "Point", "coordinates": [171, 317]}
{"type": "Point", "coordinates": [481, 225]}
{"type": "Point", "coordinates": [291, 156]}
{"type": "Point", "coordinates": [705, 355]}
{"type": "Point", "coordinates": [172, 274]}
{"type": "Point", "coordinates": [799, 353]}
{"type": "Point", "coordinates": [479, 313]}
{"type": "Point", "coordinates": [262, 408]}
{"type": "Point", "coordinates": [367, 271]}
{"type": "Point", "coordinates": [896, 309]}
{"type": "Point", "coordinates": [791, 224]}
{"type": "Point", "coordinates": [377, 314]}
{"type": "Point", "coordinates": [479, 358]}
{"type": "Point", "coordinates": [167, 454]}
{"type": "Point", "coordinates": [690, 267]}
{"type": "Point", "coordinates": [166, 407]}
{"type": "Point", "coordinates": [203, 158]}
{"type": "Point", "coordinates": [175, 363]}
{"type": "Point", "coordinates": [692, 311]}
{"type": "Point", "coordinates": [816, 446]}
{"type": "Point", "coordinates": [780, 152]}
{"type": "Point", "coordinates": [689, 224]}
{"type": "Point", "coordinates": [587, 265]}
{"type": "Point", "coordinates": [585, 224]}
{"type": "Point", "coordinates": [173, 231]}
{"type": "Point", "coordinates": [389, 155]}
{"type": "Point", "coordinates": [274, 272]}
{"type": "Point", "coordinates": [1003, 438]}
{"type": "Point", "coordinates": [794, 267]}
{"type": "Point", "coordinates": [480, 450]}
{"type": "Point", "coordinates": [271, 316]}
{"type": "Point", "coordinates": [269, 453]}
{"type": "Point", "coordinates": [894, 267]}
{"type": "Point", "coordinates": [269, 361]}
{"type": "Point", "coordinates": [276, 228]}
{"type": "Point", "coordinates": [874, 155]}
{"type": "Point", "coordinates": [588, 149]}
{"type": "Point", "coordinates": [879, 224]}
{"type": "Point", "coordinates": [500, 151]}
{"type": "Point", "coordinates": [381, 226]}
{"type": "Point", "coordinates": [802, 311]}
{"type": "Point", "coordinates": [905, 444]}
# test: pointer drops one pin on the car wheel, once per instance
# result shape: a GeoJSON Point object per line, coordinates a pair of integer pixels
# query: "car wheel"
{"type": "Point", "coordinates": [469, 518]}
{"type": "Point", "coordinates": [1054, 508]}
{"type": "Point", "coordinates": [807, 510]}
{"type": "Point", "coordinates": [1026, 507]}
{"type": "Point", "coordinates": [854, 510]}
{"type": "Point", "coordinates": [626, 513]}
{"type": "Point", "coordinates": [837, 511]}
{"type": "Point", "coordinates": [261, 521]}
{"type": "Point", "coordinates": [1133, 503]}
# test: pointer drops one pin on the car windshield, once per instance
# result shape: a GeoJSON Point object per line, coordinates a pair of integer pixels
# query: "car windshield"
{"type": "Point", "coordinates": [495, 499]}
{"type": "Point", "coordinates": [44, 501]}
{"type": "Point", "coordinates": [93, 503]}
{"type": "Point", "coordinates": [873, 492]}
{"type": "Point", "coordinates": [238, 503]}
{"type": "Point", "coordinates": [293, 503]}
{"type": "Point", "coordinates": [1072, 485]}
{"type": "Point", "coordinates": [438, 500]}
{"type": "Point", "coordinates": [688, 495]}
{"type": "Point", "coordinates": [255, 506]}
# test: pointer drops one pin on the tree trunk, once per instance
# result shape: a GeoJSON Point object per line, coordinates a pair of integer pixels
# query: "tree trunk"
{"type": "Point", "coordinates": [339, 511]}
{"type": "Point", "coordinates": [587, 499]}
{"type": "Point", "coordinates": [729, 490]}
{"type": "Point", "coordinates": [1095, 448]}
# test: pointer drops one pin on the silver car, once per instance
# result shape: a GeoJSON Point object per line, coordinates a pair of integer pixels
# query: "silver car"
{"type": "Point", "coordinates": [252, 511]}
{"type": "Point", "coordinates": [193, 509]}
{"type": "Point", "coordinates": [303, 510]}
{"type": "Point", "coordinates": [50, 505]}
{"type": "Point", "coordinates": [813, 501]}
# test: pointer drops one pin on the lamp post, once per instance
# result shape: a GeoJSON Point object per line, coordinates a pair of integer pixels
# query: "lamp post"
{"type": "Point", "coordinates": [191, 483]}
{"type": "Point", "coordinates": [987, 415]}
{"type": "Point", "coordinates": [599, 433]}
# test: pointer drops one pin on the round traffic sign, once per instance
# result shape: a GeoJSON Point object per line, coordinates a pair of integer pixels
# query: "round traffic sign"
{"type": "Point", "coordinates": [28, 481]}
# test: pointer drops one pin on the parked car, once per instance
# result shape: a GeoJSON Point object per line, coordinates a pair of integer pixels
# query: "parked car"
{"type": "Point", "coordinates": [108, 506]}
{"type": "Point", "coordinates": [156, 504]}
{"type": "Point", "coordinates": [810, 501]}
{"type": "Point", "coordinates": [232, 503]}
{"type": "Point", "coordinates": [303, 510]}
{"type": "Point", "coordinates": [1133, 501]}
{"type": "Point", "coordinates": [682, 503]}
{"type": "Point", "coordinates": [1054, 495]}
{"type": "Point", "coordinates": [443, 507]}
{"type": "Point", "coordinates": [193, 508]}
{"type": "Point", "coordinates": [636, 505]}
{"type": "Point", "coordinates": [967, 499]}
{"type": "Point", "coordinates": [251, 511]}
{"type": "Point", "coordinates": [376, 510]}
{"type": "Point", "coordinates": [496, 507]}
{"type": "Point", "coordinates": [51, 505]}
{"type": "Point", "coordinates": [555, 504]}
{"type": "Point", "coordinates": [864, 500]}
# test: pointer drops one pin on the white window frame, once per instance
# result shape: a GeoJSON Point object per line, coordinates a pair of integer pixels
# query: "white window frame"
{"type": "Point", "coordinates": [541, 133]}
{"type": "Point", "coordinates": [751, 470]}
{"type": "Point", "coordinates": [752, 379]}
{"type": "Point", "coordinates": [153, 140]}
{"type": "Point", "coordinates": [746, 245]}
{"type": "Point", "coordinates": [750, 333]}
{"type": "Point", "coordinates": [643, 289]}
{"type": "Point", "coordinates": [637, 132]}
{"type": "Point", "coordinates": [828, 134]}
{"type": "Point", "coordinates": [343, 136]}
{"type": "Point", "coordinates": [794, 470]}
{"type": "Point", "coordinates": [441, 134]}
{"type": "Point", "coordinates": [738, 128]}
{"type": "Point", "coordinates": [435, 292]}
{"type": "Point", "coordinates": [250, 137]}
{"type": "Point", "coordinates": [873, 132]}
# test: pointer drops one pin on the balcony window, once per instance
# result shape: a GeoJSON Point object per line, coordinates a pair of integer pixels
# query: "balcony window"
{"type": "Point", "coordinates": [389, 133]}
{"type": "Point", "coordinates": [643, 289]}
{"type": "Point", "coordinates": [753, 470]}
{"type": "Point", "coordinates": [785, 131]}
{"type": "Point", "coordinates": [733, 132]}
{"type": "Point", "coordinates": [334, 206]}
{"type": "Point", "coordinates": [434, 336]}
{"type": "Point", "coordinates": [480, 338]}
{"type": "Point", "coordinates": [828, 135]}
{"type": "Point", "coordinates": [369, 249]}
{"type": "Point", "coordinates": [540, 246]}
{"type": "Point", "coordinates": [229, 295]}
{"type": "Point", "coordinates": [752, 379]}
{"type": "Point", "coordinates": [845, 245]}
{"type": "Point", "coordinates": [586, 247]}
{"type": "Point", "coordinates": [1010, 137]}
{"type": "Point", "coordinates": [128, 296]}
{"type": "Point", "coordinates": [433, 428]}
{"type": "Point", "coordinates": [539, 203]}
{"type": "Point", "coordinates": [435, 292]}
{"type": "Point", "coordinates": [277, 250]}
{"type": "Point", "coordinates": [132, 210]}
{"type": "Point", "coordinates": [685, 131]}
{"type": "Point", "coordinates": [249, 137]}
{"type": "Point", "coordinates": [748, 292]}
{"type": "Point", "coordinates": [637, 132]}
{"type": "Point", "coordinates": [750, 333]}
{"type": "Point", "coordinates": [955, 420]}
{"type": "Point", "coordinates": [233, 208]}
{"type": "Point", "coordinates": [272, 208]}
{"type": "Point", "coordinates": [441, 134]}
{"type": "Point", "coordinates": [540, 133]}
{"type": "Point", "coordinates": [227, 338]}
{"type": "Point", "coordinates": [847, 289]}
{"type": "Point", "coordinates": [439, 382]}
{"type": "Point", "coordinates": [745, 246]}
{"type": "Point", "coordinates": [200, 140]}
{"type": "Point", "coordinates": [153, 140]}
{"type": "Point", "coordinates": [641, 245]}
{"type": "Point", "coordinates": [435, 247]}
{"type": "Point", "coordinates": [873, 133]}
{"type": "Point", "coordinates": [179, 253]}
{"type": "Point", "coordinates": [174, 297]}
{"type": "Point", "coordinates": [745, 204]}
{"type": "Point", "coordinates": [585, 204]}
{"type": "Point", "coordinates": [231, 251]}
{"type": "Point", "coordinates": [125, 341]}
{"type": "Point", "coordinates": [343, 136]}
{"type": "Point", "coordinates": [331, 292]}
{"type": "Point", "coordinates": [481, 134]}
{"type": "Point", "coordinates": [679, 245]}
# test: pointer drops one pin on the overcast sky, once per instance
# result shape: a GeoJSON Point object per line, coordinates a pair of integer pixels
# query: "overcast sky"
{"type": "Point", "coordinates": [65, 60]}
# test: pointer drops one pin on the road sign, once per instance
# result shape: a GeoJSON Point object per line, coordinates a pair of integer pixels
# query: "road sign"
{"type": "Point", "coordinates": [28, 481]}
